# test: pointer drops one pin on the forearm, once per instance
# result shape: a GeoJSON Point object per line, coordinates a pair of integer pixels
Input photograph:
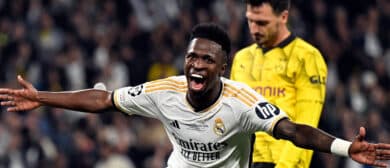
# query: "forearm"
{"type": "Point", "coordinates": [305, 136]}
{"type": "Point", "coordinates": [308, 137]}
{"type": "Point", "coordinates": [90, 100]}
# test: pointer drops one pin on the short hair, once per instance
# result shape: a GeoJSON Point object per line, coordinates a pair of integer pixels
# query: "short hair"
{"type": "Point", "coordinates": [213, 32]}
{"type": "Point", "coordinates": [278, 6]}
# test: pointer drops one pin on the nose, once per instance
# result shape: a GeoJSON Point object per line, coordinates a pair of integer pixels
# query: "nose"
{"type": "Point", "coordinates": [254, 28]}
{"type": "Point", "coordinates": [252, 25]}
{"type": "Point", "coordinates": [198, 64]}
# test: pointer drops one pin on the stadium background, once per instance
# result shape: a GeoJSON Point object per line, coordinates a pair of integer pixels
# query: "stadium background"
{"type": "Point", "coordinates": [69, 44]}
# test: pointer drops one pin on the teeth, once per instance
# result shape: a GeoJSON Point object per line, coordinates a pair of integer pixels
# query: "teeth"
{"type": "Point", "coordinates": [196, 76]}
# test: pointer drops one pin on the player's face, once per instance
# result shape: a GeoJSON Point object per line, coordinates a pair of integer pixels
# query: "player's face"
{"type": "Point", "coordinates": [204, 65]}
{"type": "Point", "coordinates": [264, 24]}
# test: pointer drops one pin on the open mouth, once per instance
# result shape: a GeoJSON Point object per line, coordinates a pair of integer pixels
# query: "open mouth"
{"type": "Point", "coordinates": [197, 82]}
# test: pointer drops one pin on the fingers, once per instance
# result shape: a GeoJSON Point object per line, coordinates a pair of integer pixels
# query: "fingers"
{"type": "Point", "coordinates": [8, 103]}
{"type": "Point", "coordinates": [4, 91]}
{"type": "Point", "coordinates": [24, 83]}
{"type": "Point", "coordinates": [382, 151]}
{"type": "Point", "coordinates": [6, 98]}
{"type": "Point", "coordinates": [12, 105]}
{"type": "Point", "coordinates": [362, 131]}
{"type": "Point", "coordinates": [382, 157]}
{"type": "Point", "coordinates": [379, 164]}
{"type": "Point", "coordinates": [13, 109]}
{"type": "Point", "coordinates": [383, 146]}
{"type": "Point", "coordinates": [362, 134]}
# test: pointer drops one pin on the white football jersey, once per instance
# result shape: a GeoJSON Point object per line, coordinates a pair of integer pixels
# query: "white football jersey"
{"type": "Point", "coordinates": [218, 136]}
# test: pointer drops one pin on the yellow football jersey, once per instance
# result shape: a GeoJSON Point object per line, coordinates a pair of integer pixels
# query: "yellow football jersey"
{"type": "Point", "coordinates": [291, 76]}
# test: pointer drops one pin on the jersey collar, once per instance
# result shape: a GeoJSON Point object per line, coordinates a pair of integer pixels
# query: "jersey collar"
{"type": "Point", "coordinates": [282, 44]}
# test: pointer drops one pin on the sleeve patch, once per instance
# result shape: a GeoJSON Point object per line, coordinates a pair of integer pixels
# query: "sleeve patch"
{"type": "Point", "coordinates": [266, 110]}
{"type": "Point", "coordinates": [135, 91]}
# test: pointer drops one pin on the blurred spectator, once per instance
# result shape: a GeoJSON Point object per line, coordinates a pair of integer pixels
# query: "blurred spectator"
{"type": "Point", "coordinates": [163, 67]}
{"type": "Point", "coordinates": [68, 44]}
{"type": "Point", "coordinates": [110, 155]}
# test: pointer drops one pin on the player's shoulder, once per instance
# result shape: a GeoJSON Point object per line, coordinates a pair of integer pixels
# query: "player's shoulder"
{"type": "Point", "coordinates": [174, 83]}
{"type": "Point", "coordinates": [302, 45]}
{"type": "Point", "coordinates": [247, 50]}
{"type": "Point", "coordinates": [235, 84]}
{"type": "Point", "coordinates": [240, 91]}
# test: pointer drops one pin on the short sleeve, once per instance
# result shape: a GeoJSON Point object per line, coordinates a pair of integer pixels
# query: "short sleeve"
{"type": "Point", "coordinates": [263, 116]}
{"type": "Point", "coordinates": [134, 100]}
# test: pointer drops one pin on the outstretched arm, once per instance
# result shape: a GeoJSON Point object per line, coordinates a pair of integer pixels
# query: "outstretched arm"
{"type": "Point", "coordinates": [28, 98]}
{"type": "Point", "coordinates": [312, 138]}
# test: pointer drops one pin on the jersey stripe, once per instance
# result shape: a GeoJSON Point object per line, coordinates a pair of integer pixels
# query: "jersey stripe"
{"type": "Point", "coordinates": [253, 96]}
{"type": "Point", "coordinates": [243, 92]}
{"type": "Point", "coordinates": [229, 92]}
{"type": "Point", "coordinates": [160, 88]}
{"type": "Point", "coordinates": [166, 84]}
{"type": "Point", "coordinates": [167, 81]}
{"type": "Point", "coordinates": [245, 97]}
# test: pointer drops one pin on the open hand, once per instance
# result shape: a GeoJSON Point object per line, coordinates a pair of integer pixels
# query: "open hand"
{"type": "Point", "coordinates": [369, 153]}
{"type": "Point", "coordinates": [20, 99]}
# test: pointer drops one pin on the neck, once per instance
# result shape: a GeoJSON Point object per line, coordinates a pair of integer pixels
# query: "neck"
{"type": "Point", "coordinates": [284, 33]}
{"type": "Point", "coordinates": [202, 101]}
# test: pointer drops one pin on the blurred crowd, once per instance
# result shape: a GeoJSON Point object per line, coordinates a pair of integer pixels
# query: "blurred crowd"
{"type": "Point", "coordinates": [73, 44]}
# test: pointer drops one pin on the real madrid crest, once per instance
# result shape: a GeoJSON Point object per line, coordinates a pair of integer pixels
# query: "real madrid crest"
{"type": "Point", "coordinates": [219, 127]}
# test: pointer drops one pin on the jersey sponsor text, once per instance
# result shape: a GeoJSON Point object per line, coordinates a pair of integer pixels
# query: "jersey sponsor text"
{"type": "Point", "coordinates": [198, 151]}
{"type": "Point", "coordinates": [269, 91]}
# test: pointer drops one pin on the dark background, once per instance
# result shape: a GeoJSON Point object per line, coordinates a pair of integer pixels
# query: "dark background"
{"type": "Point", "coordinates": [69, 44]}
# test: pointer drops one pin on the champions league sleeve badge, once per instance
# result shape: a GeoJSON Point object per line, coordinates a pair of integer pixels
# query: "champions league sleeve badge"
{"type": "Point", "coordinates": [135, 91]}
{"type": "Point", "coordinates": [219, 127]}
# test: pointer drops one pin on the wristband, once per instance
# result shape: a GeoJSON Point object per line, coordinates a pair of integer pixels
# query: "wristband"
{"type": "Point", "coordinates": [340, 147]}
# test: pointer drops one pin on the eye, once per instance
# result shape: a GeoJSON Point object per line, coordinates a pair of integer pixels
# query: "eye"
{"type": "Point", "coordinates": [261, 23]}
{"type": "Point", "coordinates": [208, 59]}
{"type": "Point", "coordinates": [190, 56]}
{"type": "Point", "coordinates": [258, 22]}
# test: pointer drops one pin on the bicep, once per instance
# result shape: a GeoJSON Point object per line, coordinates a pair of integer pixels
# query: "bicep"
{"type": "Point", "coordinates": [285, 129]}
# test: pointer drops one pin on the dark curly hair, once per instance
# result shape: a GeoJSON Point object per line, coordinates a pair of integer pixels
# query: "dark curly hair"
{"type": "Point", "coordinates": [278, 6]}
{"type": "Point", "coordinates": [213, 32]}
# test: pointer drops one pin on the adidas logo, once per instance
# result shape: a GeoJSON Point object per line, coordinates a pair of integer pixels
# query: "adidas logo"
{"type": "Point", "coordinates": [175, 124]}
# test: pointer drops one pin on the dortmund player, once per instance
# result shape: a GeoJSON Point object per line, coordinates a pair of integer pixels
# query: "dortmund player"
{"type": "Point", "coordinates": [288, 72]}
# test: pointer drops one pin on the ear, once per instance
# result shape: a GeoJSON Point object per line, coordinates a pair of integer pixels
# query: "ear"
{"type": "Point", "coordinates": [284, 16]}
{"type": "Point", "coordinates": [223, 69]}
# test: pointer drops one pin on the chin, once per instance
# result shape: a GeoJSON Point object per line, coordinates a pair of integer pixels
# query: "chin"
{"type": "Point", "coordinates": [196, 93]}
{"type": "Point", "coordinates": [259, 43]}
